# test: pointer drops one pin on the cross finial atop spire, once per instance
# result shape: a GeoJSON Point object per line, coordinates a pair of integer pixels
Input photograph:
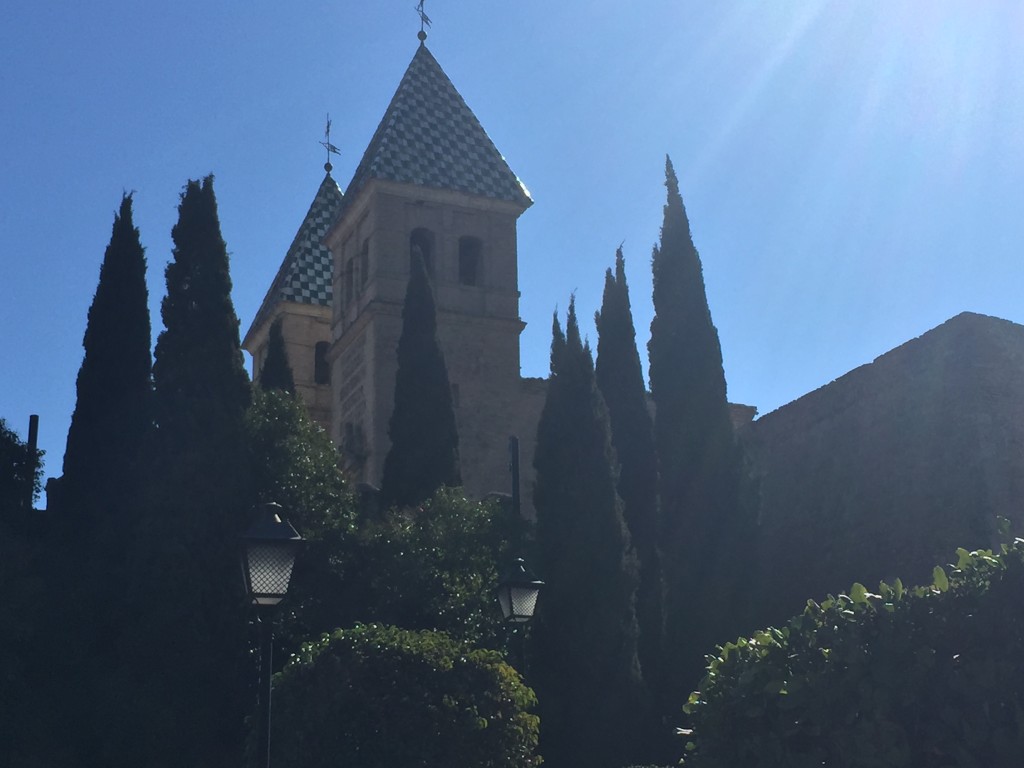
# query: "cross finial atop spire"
{"type": "Point", "coordinates": [326, 144]}
{"type": "Point", "coordinates": [424, 21]}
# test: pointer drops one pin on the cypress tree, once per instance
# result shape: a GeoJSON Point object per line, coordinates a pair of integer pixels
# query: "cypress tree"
{"type": "Point", "coordinates": [699, 458]}
{"type": "Point", "coordinates": [585, 669]}
{"type": "Point", "coordinates": [621, 381]}
{"type": "Point", "coordinates": [189, 667]}
{"type": "Point", "coordinates": [99, 492]}
{"type": "Point", "coordinates": [112, 412]}
{"type": "Point", "coordinates": [424, 452]}
{"type": "Point", "coordinates": [276, 372]}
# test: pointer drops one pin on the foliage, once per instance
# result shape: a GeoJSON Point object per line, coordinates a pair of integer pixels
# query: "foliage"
{"type": "Point", "coordinates": [295, 464]}
{"type": "Point", "coordinates": [585, 661]}
{"type": "Point", "coordinates": [907, 677]}
{"type": "Point", "coordinates": [98, 496]}
{"type": "Point", "coordinates": [201, 388]}
{"type": "Point", "coordinates": [620, 379]}
{"type": "Point", "coordinates": [276, 372]}
{"type": "Point", "coordinates": [27, 660]}
{"type": "Point", "coordinates": [441, 566]}
{"type": "Point", "coordinates": [186, 666]}
{"type": "Point", "coordinates": [434, 567]}
{"type": "Point", "coordinates": [424, 452]}
{"type": "Point", "coordinates": [112, 411]}
{"type": "Point", "coordinates": [704, 530]}
{"type": "Point", "coordinates": [19, 472]}
{"type": "Point", "coordinates": [377, 696]}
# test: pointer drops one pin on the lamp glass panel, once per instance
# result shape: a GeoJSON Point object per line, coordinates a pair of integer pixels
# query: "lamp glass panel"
{"type": "Point", "coordinates": [505, 601]}
{"type": "Point", "coordinates": [270, 570]}
{"type": "Point", "coordinates": [524, 602]}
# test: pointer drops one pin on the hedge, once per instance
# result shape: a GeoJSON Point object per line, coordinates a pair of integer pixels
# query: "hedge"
{"type": "Point", "coordinates": [925, 677]}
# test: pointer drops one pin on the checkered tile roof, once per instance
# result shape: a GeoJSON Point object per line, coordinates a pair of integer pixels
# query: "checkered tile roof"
{"type": "Point", "coordinates": [430, 137]}
{"type": "Point", "coordinates": [305, 274]}
{"type": "Point", "coordinates": [307, 266]}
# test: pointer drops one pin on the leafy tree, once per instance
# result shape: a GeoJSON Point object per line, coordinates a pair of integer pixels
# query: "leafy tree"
{"type": "Point", "coordinates": [585, 666]}
{"type": "Point", "coordinates": [24, 641]}
{"type": "Point", "coordinates": [187, 667]}
{"type": "Point", "coordinates": [379, 697]}
{"type": "Point", "coordinates": [437, 567]}
{"type": "Point", "coordinates": [276, 372]}
{"type": "Point", "coordinates": [424, 452]}
{"type": "Point", "coordinates": [432, 568]}
{"type": "Point", "coordinates": [922, 678]}
{"type": "Point", "coordinates": [19, 473]}
{"type": "Point", "coordinates": [620, 379]}
{"type": "Point", "coordinates": [700, 462]}
{"type": "Point", "coordinates": [112, 412]}
{"type": "Point", "coordinates": [295, 465]}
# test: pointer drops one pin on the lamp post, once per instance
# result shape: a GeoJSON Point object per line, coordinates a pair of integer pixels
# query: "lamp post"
{"type": "Point", "coordinates": [517, 596]}
{"type": "Point", "coordinates": [269, 555]}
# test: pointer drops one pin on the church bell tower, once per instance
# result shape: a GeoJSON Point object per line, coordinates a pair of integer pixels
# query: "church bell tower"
{"type": "Point", "coordinates": [431, 181]}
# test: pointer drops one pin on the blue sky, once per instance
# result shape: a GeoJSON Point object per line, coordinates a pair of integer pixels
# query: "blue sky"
{"type": "Point", "coordinates": [852, 170]}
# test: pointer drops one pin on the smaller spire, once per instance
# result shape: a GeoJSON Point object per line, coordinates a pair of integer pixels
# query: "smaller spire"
{"type": "Point", "coordinates": [424, 22]}
{"type": "Point", "coordinates": [326, 144]}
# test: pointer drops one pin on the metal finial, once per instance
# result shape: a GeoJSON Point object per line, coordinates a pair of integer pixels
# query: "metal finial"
{"type": "Point", "coordinates": [424, 21]}
{"type": "Point", "coordinates": [326, 144]}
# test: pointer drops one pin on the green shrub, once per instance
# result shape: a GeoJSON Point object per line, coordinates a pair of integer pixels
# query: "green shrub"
{"type": "Point", "coordinates": [923, 677]}
{"type": "Point", "coordinates": [380, 697]}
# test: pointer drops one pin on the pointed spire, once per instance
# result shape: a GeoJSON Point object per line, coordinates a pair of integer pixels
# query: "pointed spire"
{"type": "Point", "coordinates": [304, 276]}
{"type": "Point", "coordinates": [430, 137]}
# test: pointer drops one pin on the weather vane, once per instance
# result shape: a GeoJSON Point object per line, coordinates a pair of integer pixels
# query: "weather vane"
{"type": "Point", "coordinates": [326, 144]}
{"type": "Point", "coordinates": [424, 21]}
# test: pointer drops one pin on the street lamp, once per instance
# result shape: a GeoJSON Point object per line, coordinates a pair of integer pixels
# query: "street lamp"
{"type": "Point", "coordinates": [517, 593]}
{"type": "Point", "coordinates": [268, 558]}
{"type": "Point", "coordinates": [517, 596]}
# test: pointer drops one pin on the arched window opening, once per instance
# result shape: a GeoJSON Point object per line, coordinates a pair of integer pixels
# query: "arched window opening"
{"type": "Point", "coordinates": [321, 368]}
{"type": "Point", "coordinates": [470, 256]}
{"type": "Point", "coordinates": [421, 242]}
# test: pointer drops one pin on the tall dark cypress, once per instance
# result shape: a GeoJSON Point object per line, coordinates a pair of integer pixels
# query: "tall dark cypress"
{"type": "Point", "coordinates": [697, 450]}
{"type": "Point", "coordinates": [621, 381]}
{"type": "Point", "coordinates": [112, 412]}
{"type": "Point", "coordinates": [98, 503]}
{"type": "Point", "coordinates": [585, 667]}
{"type": "Point", "coordinates": [424, 452]}
{"type": "Point", "coordinates": [190, 662]}
{"type": "Point", "coordinates": [276, 372]}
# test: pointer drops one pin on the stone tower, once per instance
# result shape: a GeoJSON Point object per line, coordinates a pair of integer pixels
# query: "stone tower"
{"type": "Point", "coordinates": [430, 181]}
{"type": "Point", "coordinates": [300, 297]}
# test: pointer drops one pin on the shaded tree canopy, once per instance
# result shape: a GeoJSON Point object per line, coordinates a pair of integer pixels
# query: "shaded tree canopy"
{"type": "Point", "coordinates": [380, 697]}
{"type": "Point", "coordinates": [585, 666]}
{"type": "Point", "coordinates": [98, 497]}
{"type": "Point", "coordinates": [187, 670]}
{"type": "Point", "coordinates": [924, 677]}
{"type": "Point", "coordinates": [620, 379]}
{"type": "Point", "coordinates": [693, 432]}
{"type": "Point", "coordinates": [704, 530]}
{"type": "Point", "coordinates": [424, 452]}
{"type": "Point", "coordinates": [19, 472]}
{"type": "Point", "coordinates": [113, 409]}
